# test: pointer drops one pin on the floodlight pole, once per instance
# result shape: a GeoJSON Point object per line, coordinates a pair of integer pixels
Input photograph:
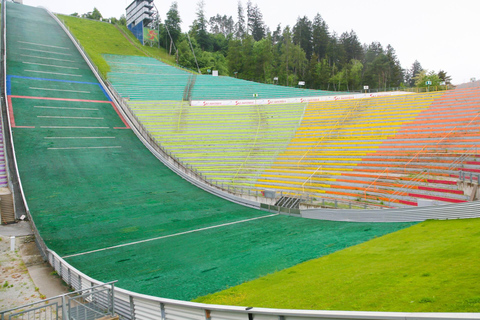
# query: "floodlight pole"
{"type": "Point", "coordinates": [158, 24]}
{"type": "Point", "coordinates": [193, 51]}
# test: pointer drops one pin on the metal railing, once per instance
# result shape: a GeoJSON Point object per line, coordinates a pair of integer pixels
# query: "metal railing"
{"type": "Point", "coordinates": [94, 302]}
{"type": "Point", "coordinates": [421, 176]}
{"type": "Point", "coordinates": [130, 305]}
{"type": "Point", "coordinates": [14, 181]}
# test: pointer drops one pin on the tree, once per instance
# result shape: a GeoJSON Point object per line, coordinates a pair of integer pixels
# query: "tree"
{"type": "Point", "coordinates": [248, 59]}
{"type": "Point", "coordinates": [277, 34]}
{"type": "Point", "coordinates": [351, 45]}
{"type": "Point", "coordinates": [234, 56]}
{"type": "Point", "coordinates": [320, 37]}
{"type": "Point", "coordinates": [414, 71]}
{"type": "Point", "coordinates": [285, 54]}
{"type": "Point", "coordinates": [75, 14]}
{"type": "Point", "coordinates": [423, 76]}
{"type": "Point", "coordinates": [355, 68]}
{"type": "Point", "coordinates": [308, 51]}
{"type": "Point", "coordinates": [94, 15]}
{"type": "Point", "coordinates": [338, 79]}
{"type": "Point", "coordinates": [336, 52]}
{"type": "Point", "coordinates": [172, 25]}
{"type": "Point", "coordinates": [256, 26]}
{"type": "Point", "coordinates": [222, 25]}
{"type": "Point", "coordinates": [442, 75]}
{"type": "Point", "coordinates": [324, 71]}
{"type": "Point", "coordinates": [395, 75]}
{"type": "Point", "coordinates": [220, 43]}
{"type": "Point", "coordinates": [249, 17]}
{"type": "Point", "coordinates": [122, 21]}
{"type": "Point", "coordinates": [372, 63]}
{"type": "Point", "coordinates": [185, 56]}
{"type": "Point", "coordinates": [263, 53]}
{"type": "Point", "coordinates": [302, 35]}
{"type": "Point", "coordinates": [199, 28]}
{"type": "Point", "coordinates": [240, 26]}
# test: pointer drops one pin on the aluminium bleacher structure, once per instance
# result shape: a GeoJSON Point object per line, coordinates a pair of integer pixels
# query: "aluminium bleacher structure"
{"type": "Point", "coordinates": [230, 145]}
{"type": "Point", "coordinates": [381, 152]}
{"type": "Point", "coordinates": [385, 152]}
{"type": "Point", "coordinates": [391, 150]}
{"type": "Point", "coordinates": [144, 79]}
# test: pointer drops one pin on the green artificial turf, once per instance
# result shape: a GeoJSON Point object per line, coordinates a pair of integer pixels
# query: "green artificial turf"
{"type": "Point", "coordinates": [429, 267]}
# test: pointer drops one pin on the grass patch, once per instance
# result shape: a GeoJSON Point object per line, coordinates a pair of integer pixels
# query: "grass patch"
{"type": "Point", "coordinates": [99, 38]}
{"type": "Point", "coordinates": [429, 267]}
{"type": "Point", "coordinates": [155, 52]}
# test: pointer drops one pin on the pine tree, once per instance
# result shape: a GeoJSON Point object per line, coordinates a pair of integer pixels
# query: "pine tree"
{"type": "Point", "coordinates": [352, 46]}
{"type": "Point", "coordinates": [199, 27]}
{"type": "Point", "coordinates": [240, 26]}
{"type": "Point", "coordinates": [302, 35]}
{"type": "Point", "coordinates": [320, 37]}
{"type": "Point", "coordinates": [442, 75]}
{"type": "Point", "coordinates": [256, 26]}
{"type": "Point", "coordinates": [172, 24]}
{"type": "Point", "coordinates": [414, 71]}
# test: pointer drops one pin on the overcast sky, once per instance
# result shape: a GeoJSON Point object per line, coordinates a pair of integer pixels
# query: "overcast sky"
{"type": "Point", "coordinates": [440, 34]}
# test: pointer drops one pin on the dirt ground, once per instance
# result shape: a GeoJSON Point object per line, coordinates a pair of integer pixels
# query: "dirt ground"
{"type": "Point", "coordinates": [16, 286]}
{"type": "Point", "coordinates": [24, 276]}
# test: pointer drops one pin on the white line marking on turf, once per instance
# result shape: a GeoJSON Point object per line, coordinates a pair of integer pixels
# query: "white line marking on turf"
{"type": "Point", "coordinates": [59, 90]}
{"type": "Point", "coordinates": [61, 117]}
{"type": "Point", "coordinates": [61, 74]}
{"type": "Point", "coordinates": [49, 65]}
{"type": "Point", "coordinates": [71, 148]}
{"type": "Point", "coordinates": [59, 127]}
{"type": "Point", "coordinates": [63, 54]}
{"type": "Point", "coordinates": [46, 107]}
{"type": "Point", "coordinates": [56, 59]}
{"type": "Point", "coordinates": [80, 137]}
{"type": "Point", "coordinates": [43, 45]}
{"type": "Point", "coordinates": [169, 236]}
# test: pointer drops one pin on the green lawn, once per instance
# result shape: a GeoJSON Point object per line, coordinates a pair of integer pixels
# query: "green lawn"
{"type": "Point", "coordinates": [99, 38]}
{"type": "Point", "coordinates": [429, 267]}
{"type": "Point", "coordinates": [160, 54]}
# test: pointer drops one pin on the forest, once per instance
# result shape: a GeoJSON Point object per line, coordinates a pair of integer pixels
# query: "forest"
{"type": "Point", "coordinates": [308, 52]}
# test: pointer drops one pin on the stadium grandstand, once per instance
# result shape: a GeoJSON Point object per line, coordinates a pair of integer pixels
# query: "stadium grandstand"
{"type": "Point", "coordinates": [393, 151]}
{"type": "Point", "coordinates": [143, 78]}
{"type": "Point", "coordinates": [154, 178]}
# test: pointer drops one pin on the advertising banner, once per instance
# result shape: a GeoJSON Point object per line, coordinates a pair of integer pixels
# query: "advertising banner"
{"type": "Point", "coordinates": [294, 100]}
{"type": "Point", "coordinates": [150, 35]}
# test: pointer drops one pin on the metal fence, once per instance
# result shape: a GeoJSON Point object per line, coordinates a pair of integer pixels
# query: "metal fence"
{"type": "Point", "coordinates": [94, 302]}
{"type": "Point", "coordinates": [130, 305]}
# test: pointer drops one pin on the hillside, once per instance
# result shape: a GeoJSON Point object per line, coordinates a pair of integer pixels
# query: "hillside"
{"type": "Point", "coordinates": [99, 38]}
{"type": "Point", "coordinates": [429, 267]}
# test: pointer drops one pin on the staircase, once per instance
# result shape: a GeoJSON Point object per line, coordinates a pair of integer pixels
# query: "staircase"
{"type": "Point", "coordinates": [7, 211]}
{"type": "Point", "coordinates": [92, 303]}
{"type": "Point", "coordinates": [187, 93]}
{"type": "Point", "coordinates": [288, 202]}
